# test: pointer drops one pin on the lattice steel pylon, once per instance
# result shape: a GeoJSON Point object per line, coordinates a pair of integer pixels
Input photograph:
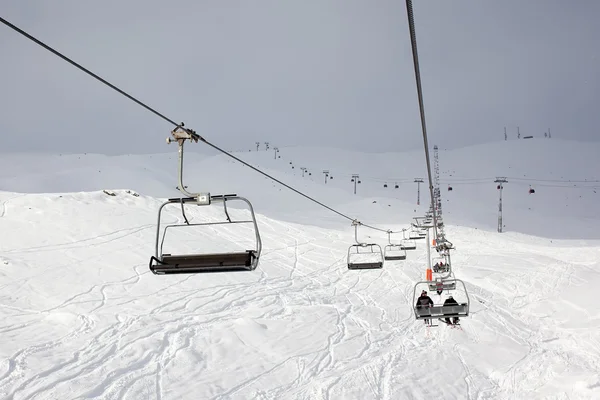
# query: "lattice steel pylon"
{"type": "Point", "coordinates": [418, 181]}
{"type": "Point", "coordinates": [500, 181]}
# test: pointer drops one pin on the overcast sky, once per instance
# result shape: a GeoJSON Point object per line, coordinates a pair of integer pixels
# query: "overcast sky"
{"type": "Point", "coordinates": [336, 73]}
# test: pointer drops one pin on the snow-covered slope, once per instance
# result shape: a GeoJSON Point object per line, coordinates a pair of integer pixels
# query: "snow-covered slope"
{"type": "Point", "coordinates": [83, 317]}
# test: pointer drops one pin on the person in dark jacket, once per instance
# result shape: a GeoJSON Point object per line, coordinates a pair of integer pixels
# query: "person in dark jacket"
{"type": "Point", "coordinates": [451, 302]}
{"type": "Point", "coordinates": [424, 301]}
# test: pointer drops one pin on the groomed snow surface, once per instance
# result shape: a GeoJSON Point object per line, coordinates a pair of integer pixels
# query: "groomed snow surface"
{"type": "Point", "coordinates": [83, 317]}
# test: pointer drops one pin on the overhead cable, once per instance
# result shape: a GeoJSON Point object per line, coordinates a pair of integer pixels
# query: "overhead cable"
{"type": "Point", "coordinates": [413, 41]}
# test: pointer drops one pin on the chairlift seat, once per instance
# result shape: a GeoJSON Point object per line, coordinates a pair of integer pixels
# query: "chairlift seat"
{"type": "Point", "coordinates": [461, 310]}
{"type": "Point", "coordinates": [394, 252]}
{"type": "Point", "coordinates": [365, 265]}
{"type": "Point", "coordinates": [395, 257]}
{"type": "Point", "coordinates": [409, 245]}
{"type": "Point", "coordinates": [445, 286]}
{"type": "Point", "coordinates": [176, 264]}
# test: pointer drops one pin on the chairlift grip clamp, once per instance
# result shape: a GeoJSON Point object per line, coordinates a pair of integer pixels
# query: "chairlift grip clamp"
{"type": "Point", "coordinates": [203, 199]}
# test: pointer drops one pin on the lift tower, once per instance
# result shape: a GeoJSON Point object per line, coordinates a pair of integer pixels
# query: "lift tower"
{"type": "Point", "coordinates": [500, 181]}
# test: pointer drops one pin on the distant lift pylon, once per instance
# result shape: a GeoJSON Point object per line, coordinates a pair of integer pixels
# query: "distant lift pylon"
{"type": "Point", "coordinates": [162, 263]}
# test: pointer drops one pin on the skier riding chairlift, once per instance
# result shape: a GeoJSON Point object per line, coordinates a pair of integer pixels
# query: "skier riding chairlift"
{"type": "Point", "coordinates": [424, 301]}
{"type": "Point", "coordinates": [439, 266]}
{"type": "Point", "coordinates": [451, 302]}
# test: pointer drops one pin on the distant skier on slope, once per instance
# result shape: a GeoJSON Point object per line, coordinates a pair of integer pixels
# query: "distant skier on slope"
{"type": "Point", "coordinates": [424, 301]}
{"type": "Point", "coordinates": [451, 302]}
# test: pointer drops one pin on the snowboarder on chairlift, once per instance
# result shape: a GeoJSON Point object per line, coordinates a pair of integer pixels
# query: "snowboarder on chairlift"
{"type": "Point", "coordinates": [451, 302]}
{"type": "Point", "coordinates": [424, 301]}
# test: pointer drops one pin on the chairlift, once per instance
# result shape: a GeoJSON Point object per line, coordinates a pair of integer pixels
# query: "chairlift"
{"type": "Point", "coordinates": [531, 190]}
{"type": "Point", "coordinates": [165, 263]}
{"type": "Point", "coordinates": [408, 244]}
{"type": "Point", "coordinates": [371, 256]}
{"type": "Point", "coordinates": [416, 234]}
{"type": "Point", "coordinates": [393, 251]}
{"type": "Point", "coordinates": [396, 186]}
{"type": "Point", "coordinates": [439, 310]}
{"type": "Point", "coordinates": [385, 185]}
{"type": "Point", "coordinates": [443, 245]}
{"type": "Point", "coordinates": [442, 285]}
{"type": "Point", "coordinates": [440, 264]}
{"type": "Point", "coordinates": [428, 223]}
{"type": "Point", "coordinates": [449, 188]}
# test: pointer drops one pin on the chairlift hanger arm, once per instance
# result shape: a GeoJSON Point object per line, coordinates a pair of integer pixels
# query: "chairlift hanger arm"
{"type": "Point", "coordinates": [180, 137]}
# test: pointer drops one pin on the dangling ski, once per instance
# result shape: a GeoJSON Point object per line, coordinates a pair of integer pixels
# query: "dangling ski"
{"type": "Point", "coordinates": [450, 324]}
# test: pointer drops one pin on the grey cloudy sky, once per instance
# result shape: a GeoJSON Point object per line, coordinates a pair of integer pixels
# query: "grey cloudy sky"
{"type": "Point", "coordinates": [337, 72]}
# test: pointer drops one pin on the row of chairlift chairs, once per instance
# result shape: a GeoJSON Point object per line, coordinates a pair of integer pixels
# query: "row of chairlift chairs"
{"type": "Point", "coordinates": [360, 254]}
{"type": "Point", "coordinates": [440, 279]}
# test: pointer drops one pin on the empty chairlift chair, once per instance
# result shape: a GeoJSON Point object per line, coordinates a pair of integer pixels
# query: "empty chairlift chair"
{"type": "Point", "coordinates": [415, 234]}
{"type": "Point", "coordinates": [364, 255]}
{"type": "Point", "coordinates": [408, 244]}
{"type": "Point", "coordinates": [166, 263]}
{"type": "Point", "coordinates": [393, 252]}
